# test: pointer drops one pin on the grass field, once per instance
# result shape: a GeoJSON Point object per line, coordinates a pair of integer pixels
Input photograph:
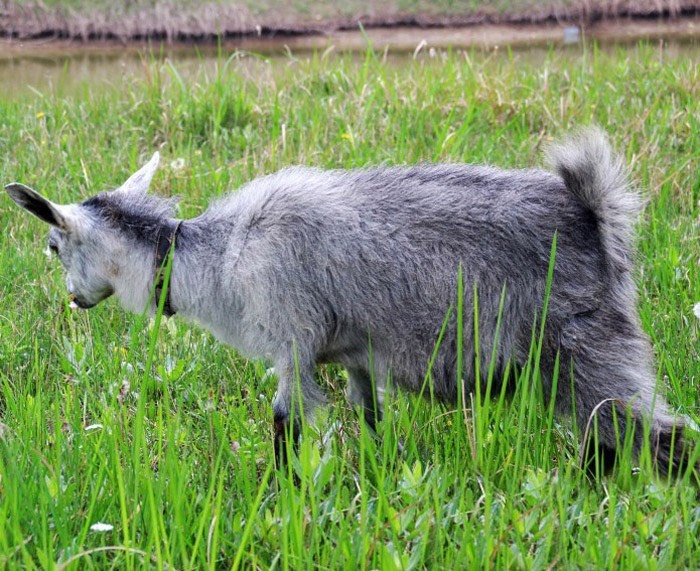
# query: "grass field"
{"type": "Point", "coordinates": [165, 434]}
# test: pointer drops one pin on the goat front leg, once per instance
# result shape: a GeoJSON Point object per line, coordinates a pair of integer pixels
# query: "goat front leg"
{"type": "Point", "coordinates": [297, 397]}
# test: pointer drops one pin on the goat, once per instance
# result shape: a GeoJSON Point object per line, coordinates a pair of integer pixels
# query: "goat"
{"type": "Point", "coordinates": [361, 267]}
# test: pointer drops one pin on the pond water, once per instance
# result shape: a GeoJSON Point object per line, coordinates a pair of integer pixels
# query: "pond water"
{"type": "Point", "coordinates": [36, 69]}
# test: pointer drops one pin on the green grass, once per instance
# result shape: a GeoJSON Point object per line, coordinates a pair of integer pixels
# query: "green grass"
{"type": "Point", "coordinates": [178, 456]}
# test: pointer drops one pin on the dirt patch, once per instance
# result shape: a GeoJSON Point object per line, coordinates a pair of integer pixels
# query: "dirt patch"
{"type": "Point", "coordinates": [487, 36]}
{"type": "Point", "coordinates": [170, 21]}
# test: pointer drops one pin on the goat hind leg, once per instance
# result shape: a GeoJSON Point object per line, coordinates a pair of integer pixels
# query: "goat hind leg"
{"type": "Point", "coordinates": [615, 394]}
{"type": "Point", "coordinates": [363, 392]}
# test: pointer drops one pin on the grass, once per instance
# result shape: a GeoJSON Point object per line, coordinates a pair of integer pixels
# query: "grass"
{"type": "Point", "coordinates": [304, 9]}
{"type": "Point", "coordinates": [205, 20]}
{"type": "Point", "coordinates": [177, 456]}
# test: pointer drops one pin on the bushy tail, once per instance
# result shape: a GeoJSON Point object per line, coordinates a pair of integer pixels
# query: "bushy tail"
{"type": "Point", "coordinates": [598, 178]}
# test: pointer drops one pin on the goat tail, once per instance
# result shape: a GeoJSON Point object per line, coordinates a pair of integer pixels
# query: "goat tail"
{"type": "Point", "coordinates": [598, 178]}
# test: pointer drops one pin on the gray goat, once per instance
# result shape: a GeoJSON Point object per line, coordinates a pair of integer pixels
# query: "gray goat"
{"type": "Point", "coordinates": [361, 268]}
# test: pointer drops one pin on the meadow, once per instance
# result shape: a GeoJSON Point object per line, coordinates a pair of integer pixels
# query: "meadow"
{"type": "Point", "coordinates": [163, 434]}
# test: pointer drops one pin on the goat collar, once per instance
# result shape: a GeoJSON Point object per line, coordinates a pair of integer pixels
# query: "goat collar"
{"type": "Point", "coordinates": [165, 243]}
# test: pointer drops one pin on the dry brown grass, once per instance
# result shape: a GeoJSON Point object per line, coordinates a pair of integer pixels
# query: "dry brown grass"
{"type": "Point", "coordinates": [168, 20]}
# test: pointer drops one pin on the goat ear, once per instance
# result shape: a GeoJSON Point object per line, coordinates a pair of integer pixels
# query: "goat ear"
{"type": "Point", "coordinates": [141, 179]}
{"type": "Point", "coordinates": [39, 206]}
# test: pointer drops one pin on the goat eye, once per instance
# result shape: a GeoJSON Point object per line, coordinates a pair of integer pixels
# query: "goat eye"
{"type": "Point", "coordinates": [53, 247]}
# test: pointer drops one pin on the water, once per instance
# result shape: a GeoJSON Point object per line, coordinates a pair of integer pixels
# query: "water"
{"type": "Point", "coordinates": [66, 69]}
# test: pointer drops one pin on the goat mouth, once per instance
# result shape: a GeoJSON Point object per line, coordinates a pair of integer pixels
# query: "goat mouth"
{"type": "Point", "coordinates": [76, 302]}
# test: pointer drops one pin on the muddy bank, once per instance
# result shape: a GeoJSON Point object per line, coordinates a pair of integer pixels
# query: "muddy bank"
{"type": "Point", "coordinates": [171, 21]}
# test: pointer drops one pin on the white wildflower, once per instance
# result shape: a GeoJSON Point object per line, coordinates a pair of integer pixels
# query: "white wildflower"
{"type": "Point", "coordinates": [101, 527]}
{"type": "Point", "coordinates": [696, 309]}
{"type": "Point", "coordinates": [177, 164]}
